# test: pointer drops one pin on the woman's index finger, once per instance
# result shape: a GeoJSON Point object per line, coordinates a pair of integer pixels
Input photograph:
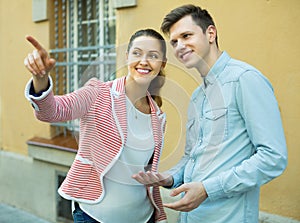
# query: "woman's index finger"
{"type": "Point", "coordinates": [34, 42]}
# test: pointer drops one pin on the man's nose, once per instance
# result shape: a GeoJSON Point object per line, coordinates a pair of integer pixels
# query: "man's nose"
{"type": "Point", "coordinates": [180, 44]}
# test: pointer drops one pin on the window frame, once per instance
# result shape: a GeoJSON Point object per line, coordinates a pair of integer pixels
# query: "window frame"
{"type": "Point", "coordinates": [81, 55]}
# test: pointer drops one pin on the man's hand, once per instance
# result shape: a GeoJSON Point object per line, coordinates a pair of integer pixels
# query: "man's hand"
{"type": "Point", "coordinates": [195, 194]}
{"type": "Point", "coordinates": [153, 179]}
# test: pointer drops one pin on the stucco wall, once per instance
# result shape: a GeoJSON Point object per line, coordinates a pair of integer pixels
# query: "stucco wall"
{"type": "Point", "coordinates": [17, 121]}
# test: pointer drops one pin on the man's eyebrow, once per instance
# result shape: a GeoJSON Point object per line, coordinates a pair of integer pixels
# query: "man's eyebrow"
{"type": "Point", "coordinates": [186, 32]}
{"type": "Point", "coordinates": [180, 35]}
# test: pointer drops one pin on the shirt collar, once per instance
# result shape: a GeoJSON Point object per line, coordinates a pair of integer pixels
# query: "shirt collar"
{"type": "Point", "coordinates": [216, 69]}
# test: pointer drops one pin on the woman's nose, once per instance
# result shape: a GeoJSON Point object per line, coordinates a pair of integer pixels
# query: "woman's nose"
{"type": "Point", "coordinates": [144, 59]}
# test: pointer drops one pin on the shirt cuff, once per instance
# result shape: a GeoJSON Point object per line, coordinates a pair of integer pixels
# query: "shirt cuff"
{"type": "Point", "coordinates": [213, 188]}
{"type": "Point", "coordinates": [177, 178]}
{"type": "Point", "coordinates": [32, 97]}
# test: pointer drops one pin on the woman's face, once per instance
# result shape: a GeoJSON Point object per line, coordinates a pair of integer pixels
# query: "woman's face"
{"type": "Point", "coordinates": [145, 59]}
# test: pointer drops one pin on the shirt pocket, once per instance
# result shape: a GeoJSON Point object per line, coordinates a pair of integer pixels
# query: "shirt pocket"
{"type": "Point", "coordinates": [215, 126]}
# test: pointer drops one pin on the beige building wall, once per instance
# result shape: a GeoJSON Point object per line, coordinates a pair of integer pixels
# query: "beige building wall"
{"type": "Point", "coordinates": [262, 33]}
{"type": "Point", "coordinates": [17, 121]}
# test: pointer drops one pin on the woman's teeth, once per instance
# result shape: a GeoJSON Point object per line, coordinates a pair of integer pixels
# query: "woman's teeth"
{"type": "Point", "coordinates": [143, 71]}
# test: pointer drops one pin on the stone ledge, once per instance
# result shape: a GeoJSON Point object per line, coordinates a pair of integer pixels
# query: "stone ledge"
{"type": "Point", "coordinates": [51, 155]}
{"type": "Point", "coordinates": [265, 217]}
{"type": "Point", "coordinates": [58, 150]}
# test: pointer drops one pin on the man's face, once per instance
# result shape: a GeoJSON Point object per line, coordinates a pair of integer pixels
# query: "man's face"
{"type": "Point", "coordinates": [191, 46]}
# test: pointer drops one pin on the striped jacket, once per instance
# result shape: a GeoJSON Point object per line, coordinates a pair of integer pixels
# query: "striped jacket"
{"type": "Point", "coordinates": [101, 107]}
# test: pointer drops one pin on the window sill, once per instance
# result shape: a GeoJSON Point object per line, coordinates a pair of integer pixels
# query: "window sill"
{"type": "Point", "coordinates": [58, 150]}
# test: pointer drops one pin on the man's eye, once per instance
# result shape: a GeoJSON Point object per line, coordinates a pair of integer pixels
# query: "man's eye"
{"type": "Point", "coordinates": [186, 35]}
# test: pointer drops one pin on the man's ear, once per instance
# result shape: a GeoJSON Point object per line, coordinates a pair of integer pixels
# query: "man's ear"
{"type": "Point", "coordinates": [212, 33]}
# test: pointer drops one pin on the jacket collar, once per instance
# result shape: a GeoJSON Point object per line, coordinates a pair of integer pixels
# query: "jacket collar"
{"type": "Point", "coordinates": [119, 106]}
{"type": "Point", "coordinates": [118, 88]}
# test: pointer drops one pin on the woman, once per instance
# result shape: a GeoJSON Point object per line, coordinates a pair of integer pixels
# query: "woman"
{"type": "Point", "coordinates": [121, 132]}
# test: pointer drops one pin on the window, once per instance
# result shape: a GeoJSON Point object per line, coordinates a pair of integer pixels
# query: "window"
{"type": "Point", "coordinates": [63, 206]}
{"type": "Point", "coordinates": [83, 44]}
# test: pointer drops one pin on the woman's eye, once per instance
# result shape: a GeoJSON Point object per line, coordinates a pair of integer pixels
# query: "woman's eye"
{"type": "Point", "coordinates": [153, 56]}
{"type": "Point", "coordinates": [136, 53]}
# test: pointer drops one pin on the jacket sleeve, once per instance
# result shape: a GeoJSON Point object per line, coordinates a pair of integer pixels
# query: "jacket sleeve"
{"type": "Point", "coordinates": [259, 109]}
{"type": "Point", "coordinates": [50, 108]}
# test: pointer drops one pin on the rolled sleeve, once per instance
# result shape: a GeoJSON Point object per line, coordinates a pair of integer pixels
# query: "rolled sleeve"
{"type": "Point", "coordinates": [32, 98]}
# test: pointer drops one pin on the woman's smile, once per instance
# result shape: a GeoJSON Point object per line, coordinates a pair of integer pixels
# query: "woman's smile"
{"type": "Point", "coordinates": [143, 71]}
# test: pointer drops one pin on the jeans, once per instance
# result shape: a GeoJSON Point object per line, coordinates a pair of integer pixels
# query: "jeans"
{"type": "Point", "coordinates": [80, 216]}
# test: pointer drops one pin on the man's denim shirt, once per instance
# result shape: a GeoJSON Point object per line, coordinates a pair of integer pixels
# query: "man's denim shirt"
{"type": "Point", "coordinates": [234, 143]}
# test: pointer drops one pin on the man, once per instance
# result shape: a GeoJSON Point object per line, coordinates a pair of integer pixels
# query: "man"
{"type": "Point", "coordinates": [234, 136]}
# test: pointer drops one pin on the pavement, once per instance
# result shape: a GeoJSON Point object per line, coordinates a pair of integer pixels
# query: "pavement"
{"type": "Point", "coordinates": [9, 214]}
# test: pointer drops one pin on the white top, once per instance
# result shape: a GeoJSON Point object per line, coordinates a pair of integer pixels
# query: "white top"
{"type": "Point", "coordinates": [125, 199]}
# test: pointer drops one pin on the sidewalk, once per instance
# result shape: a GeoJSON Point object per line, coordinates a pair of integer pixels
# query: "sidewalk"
{"type": "Point", "coordinates": [9, 214]}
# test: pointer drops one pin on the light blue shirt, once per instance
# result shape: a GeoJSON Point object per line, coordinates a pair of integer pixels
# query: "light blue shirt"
{"type": "Point", "coordinates": [234, 143]}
